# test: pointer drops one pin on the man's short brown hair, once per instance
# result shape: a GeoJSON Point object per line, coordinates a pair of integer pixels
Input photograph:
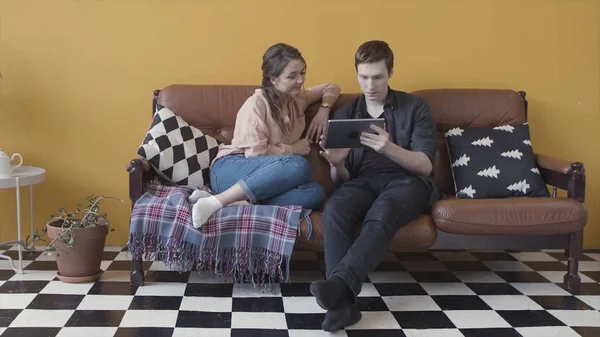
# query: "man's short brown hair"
{"type": "Point", "coordinates": [374, 51]}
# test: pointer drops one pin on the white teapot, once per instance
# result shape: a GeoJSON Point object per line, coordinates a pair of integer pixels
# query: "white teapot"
{"type": "Point", "coordinates": [6, 171]}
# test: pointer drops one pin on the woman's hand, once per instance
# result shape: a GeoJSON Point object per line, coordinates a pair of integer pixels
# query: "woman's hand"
{"type": "Point", "coordinates": [318, 124]}
{"type": "Point", "coordinates": [301, 147]}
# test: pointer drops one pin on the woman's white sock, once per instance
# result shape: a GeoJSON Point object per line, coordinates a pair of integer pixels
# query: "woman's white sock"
{"type": "Point", "coordinates": [198, 194]}
{"type": "Point", "coordinates": [203, 209]}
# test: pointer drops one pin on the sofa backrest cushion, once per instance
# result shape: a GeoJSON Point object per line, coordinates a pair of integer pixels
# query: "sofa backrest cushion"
{"type": "Point", "coordinates": [213, 108]}
{"type": "Point", "coordinates": [210, 108]}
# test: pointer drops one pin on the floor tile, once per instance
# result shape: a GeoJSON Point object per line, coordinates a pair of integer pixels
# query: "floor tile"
{"type": "Point", "coordinates": [577, 318]}
{"type": "Point", "coordinates": [144, 331]}
{"type": "Point", "coordinates": [495, 332]}
{"type": "Point", "coordinates": [423, 320]}
{"type": "Point", "coordinates": [432, 277]}
{"type": "Point", "coordinates": [261, 304]}
{"type": "Point", "coordinates": [493, 289]}
{"type": "Point", "coordinates": [301, 305]}
{"type": "Point", "coordinates": [258, 320]}
{"type": "Point", "coordinates": [540, 266]}
{"type": "Point", "coordinates": [42, 318]}
{"type": "Point", "coordinates": [458, 256]}
{"type": "Point", "coordinates": [259, 333]}
{"type": "Point", "coordinates": [522, 277]}
{"type": "Point", "coordinates": [31, 332]}
{"type": "Point", "coordinates": [95, 331]}
{"type": "Point", "coordinates": [479, 277]}
{"type": "Point", "coordinates": [206, 304]}
{"type": "Point", "coordinates": [511, 302]}
{"type": "Point", "coordinates": [411, 303]}
{"type": "Point", "coordinates": [55, 301]}
{"type": "Point", "coordinates": [149, 318]}
{"type": "Point", "coordinates": [466, 266]}
{"type": "Point", "coordinates": [35, 275]}
{"type": "Point", "coordinates": [594, 275]}
{"type": "Point", "coordinates": [7, 316]}
{"type": "Point", "coordinates": [157, 276]}
{"type": "Point", "coordinates": [376, 303]}
{"type": "Point", "coordinates": [16, 300]}
{"type": "Point", "coordinates": [41, 265]}
{"type": "Point", "coordinates": [587, 331]}
{"type": "Point", "coordinates": [522, 318]}
{"type": "Point", "coordinates": [557, 277]}
{"type": "Point", "coordinates": [14, 254]}
{"type": "Point", "coordinates": [589, 266]}
{"type": "Point", "coordinates": [214, 290]}
{"type": "Point", "coordinates": [105, 302]}
{"type": "Point", "coordinates": [11, 287]}
{"type": "Point", "coordinates": [195, 332]}
{"type": "Point", "coordinates": [162, 289]}
{"type": "Point", "coordinates": [561, 303]}
{"type": "Point", "coordinates": [584, 289]}
{"type": "Point", "coordinates": [155, 303]}
{"type": "Point", "coordinates": [507, 266]}
{"type": "Point", "coordinates": [59, 287]}
{"type": "Point", "coordinates": [203, 319]}
{"type": "Point", "coordinates": [373, 320]}
{"type": "Point", "coordinates": [432, 333]}
{"type": "Point", "coordinates": [470, 319]}
{"type": "Point", "coordinates": [391, 277]}
{"type": "Point", "coordinates": [126, 265]}
{"type": "Point", "coordinates": [399, 289]}
{"type": "Point", "coordinates": [453, 302]}
{"type": "Point", "coordinates": [304, 321]}
{"type": "Point", "coordinates": [447, 289]}
{"type": "Point", "coordinates": [414, 266]}
{"type": "Point", "coordinates": [248, 290]}
{"type": "Point", "coordinates": [547, 331]}
{"type": "Point", "coordinates": [540, 289]}
{"type": "Point", "coordinates": [533, 256]}
{"type": "Point", "coordinates": [593, 301]}
{"type": "Point", "coordinates": [6, 274]}
{"type": "Point", "coordinates": [499, 256]}
{"type": "Point", "coordinates": [97, 318]}
{"type": "Point", "coordinates": [321, 333]}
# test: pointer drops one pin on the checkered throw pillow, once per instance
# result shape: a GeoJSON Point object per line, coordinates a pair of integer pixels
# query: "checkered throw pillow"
{"type": "Point", "coordinates": [178, 151]}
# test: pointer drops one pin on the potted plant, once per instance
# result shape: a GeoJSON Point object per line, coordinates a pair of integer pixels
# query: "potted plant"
{"type": "Point", "coordinates": [78, 238]}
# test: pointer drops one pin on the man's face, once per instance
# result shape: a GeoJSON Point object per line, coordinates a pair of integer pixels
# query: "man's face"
{"type": "Point", "coordinates": [373, 80]}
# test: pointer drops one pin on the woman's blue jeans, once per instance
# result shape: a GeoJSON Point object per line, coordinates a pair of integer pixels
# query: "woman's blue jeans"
{"type": "Point", "coordinates": [269, 180]}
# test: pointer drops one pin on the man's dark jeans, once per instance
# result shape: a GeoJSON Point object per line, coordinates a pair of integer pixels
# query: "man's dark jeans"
{"type": "Point", "coordinates": [382, 203]}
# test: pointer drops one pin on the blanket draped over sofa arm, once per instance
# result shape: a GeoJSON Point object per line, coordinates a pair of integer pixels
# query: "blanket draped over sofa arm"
{"type": "Point", "coordinates": [238, 242]}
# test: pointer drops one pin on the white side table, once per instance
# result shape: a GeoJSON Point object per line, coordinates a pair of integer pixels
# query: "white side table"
{"type": "Point", "coordinates": [22, 176]}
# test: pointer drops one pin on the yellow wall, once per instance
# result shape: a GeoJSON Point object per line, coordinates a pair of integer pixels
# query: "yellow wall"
{"type": "Point", "coordinates": [78, 76]}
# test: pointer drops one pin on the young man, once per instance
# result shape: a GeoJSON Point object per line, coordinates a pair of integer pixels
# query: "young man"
{"type": "Point", "coordinates": [383, 185]}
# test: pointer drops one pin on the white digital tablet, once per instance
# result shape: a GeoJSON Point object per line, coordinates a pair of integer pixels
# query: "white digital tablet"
{"type": "Point", "coordinates": [345, 133]}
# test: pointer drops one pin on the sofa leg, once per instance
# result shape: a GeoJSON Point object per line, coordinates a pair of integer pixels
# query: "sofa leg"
{"type": "Point", "coordinates": [572, 279]}
{"type": "Point", "coordinates": [137, 272]}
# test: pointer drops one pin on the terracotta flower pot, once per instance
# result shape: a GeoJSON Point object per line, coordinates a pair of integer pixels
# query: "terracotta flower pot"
{"type": "Point", "coordinates": [82, 262]}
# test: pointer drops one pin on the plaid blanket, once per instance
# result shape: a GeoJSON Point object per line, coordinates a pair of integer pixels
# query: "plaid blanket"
{"type": "Point", "coordinates": [238, 242]}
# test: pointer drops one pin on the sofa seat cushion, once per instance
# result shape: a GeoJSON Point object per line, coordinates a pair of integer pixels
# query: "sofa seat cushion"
{"type": "Point", "coordinates": [518, 215]}
{"type": "Point", "coordinates": [417, 234]}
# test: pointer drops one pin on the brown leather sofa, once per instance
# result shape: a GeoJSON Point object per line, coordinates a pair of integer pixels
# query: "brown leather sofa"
{"type": "Point", "coordinates": [511, 223]}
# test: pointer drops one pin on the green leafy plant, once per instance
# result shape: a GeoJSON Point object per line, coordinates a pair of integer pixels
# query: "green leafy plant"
{"type": "Point", "coordinates": [83, 216]}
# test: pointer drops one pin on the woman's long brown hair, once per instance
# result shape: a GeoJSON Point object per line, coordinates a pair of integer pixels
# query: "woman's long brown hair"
{"type": "Point", "coordinates": [275, 59]}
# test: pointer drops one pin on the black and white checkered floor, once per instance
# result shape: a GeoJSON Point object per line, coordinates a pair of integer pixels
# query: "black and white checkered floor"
{"type": "Point", "coordinates": [425, 294]}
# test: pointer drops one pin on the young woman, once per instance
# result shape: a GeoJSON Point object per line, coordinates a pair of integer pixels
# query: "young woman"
{"type": "Point", "coordinates": [264, 163]}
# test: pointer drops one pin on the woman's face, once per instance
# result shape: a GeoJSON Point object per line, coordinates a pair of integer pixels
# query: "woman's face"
{"type": "Point", "coordinates": [291, 78]}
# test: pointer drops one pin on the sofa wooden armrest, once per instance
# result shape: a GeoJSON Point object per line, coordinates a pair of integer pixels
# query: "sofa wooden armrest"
{"type": "Point", "coordinates": [139, 174]}
{"type": "Point", "coordinates": [563, 174]}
